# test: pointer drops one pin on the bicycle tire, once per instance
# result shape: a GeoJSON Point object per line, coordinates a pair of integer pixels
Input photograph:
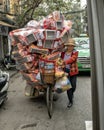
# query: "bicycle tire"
{"type": "Point", "coordinates": [49, 101]}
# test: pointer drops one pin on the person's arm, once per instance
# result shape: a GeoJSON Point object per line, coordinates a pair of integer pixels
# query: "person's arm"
{"type": "Point", "coordinates": [73, 58]}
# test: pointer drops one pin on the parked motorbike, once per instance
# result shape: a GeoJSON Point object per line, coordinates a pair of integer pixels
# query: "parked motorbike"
{"type": "Point", "coordinates": [4, 85]}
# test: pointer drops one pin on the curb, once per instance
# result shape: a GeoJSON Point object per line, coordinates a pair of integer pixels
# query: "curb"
{"type": "Point", "coordinates": [13, 74]}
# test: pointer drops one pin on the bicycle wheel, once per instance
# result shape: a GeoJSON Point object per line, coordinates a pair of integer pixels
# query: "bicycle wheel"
{"type": "Point", "coordinates": [49, 100]}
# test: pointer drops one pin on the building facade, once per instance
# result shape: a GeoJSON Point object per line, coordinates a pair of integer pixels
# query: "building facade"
{"type": "Point", "coordinates": [6, 6]}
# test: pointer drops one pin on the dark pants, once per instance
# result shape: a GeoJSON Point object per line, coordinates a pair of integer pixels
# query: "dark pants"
{"type": "Point", "coordinates": [73, 80]}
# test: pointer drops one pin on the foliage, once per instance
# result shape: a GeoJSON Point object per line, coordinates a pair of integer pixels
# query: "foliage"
{"type": "Point", "coordinates": [37, 9]}
{"type": "Point", "coordinates": [27, 11]}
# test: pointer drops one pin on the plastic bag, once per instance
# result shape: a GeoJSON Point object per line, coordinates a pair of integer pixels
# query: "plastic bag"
{"type": "Point", "coordinates": [62, 84]}
{"type": "Point", "coordinates": [38, 77]}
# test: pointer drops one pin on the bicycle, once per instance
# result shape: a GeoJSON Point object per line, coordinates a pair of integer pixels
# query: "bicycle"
{"type": "Point", "coordinates": [47, 71]}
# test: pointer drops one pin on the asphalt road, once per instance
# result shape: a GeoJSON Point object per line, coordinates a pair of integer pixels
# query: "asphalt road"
{"type": "Point", "coordinates": [22, 113]}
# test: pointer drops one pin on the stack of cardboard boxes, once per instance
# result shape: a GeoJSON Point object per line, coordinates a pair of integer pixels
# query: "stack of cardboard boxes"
{"type": "Point", "coordinates": [38, 40]}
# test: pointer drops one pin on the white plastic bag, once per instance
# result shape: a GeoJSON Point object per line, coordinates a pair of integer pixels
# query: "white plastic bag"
{"type": "Point", "coordinates": [62, 84]}
{"type": "Point", "coordinates": [38, 77]}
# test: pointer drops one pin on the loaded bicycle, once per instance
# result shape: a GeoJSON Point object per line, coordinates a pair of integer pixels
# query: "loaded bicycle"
{"type": "Point", "coordinates": [36, 47]}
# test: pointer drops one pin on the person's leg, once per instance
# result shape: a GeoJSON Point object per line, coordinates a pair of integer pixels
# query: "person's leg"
{"type": "Point", "coordinates": [70, 95]}
{"type": "Point", "coordinates": [73, 80]}
{"type": "Point", "coordinates": [70, 92]}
